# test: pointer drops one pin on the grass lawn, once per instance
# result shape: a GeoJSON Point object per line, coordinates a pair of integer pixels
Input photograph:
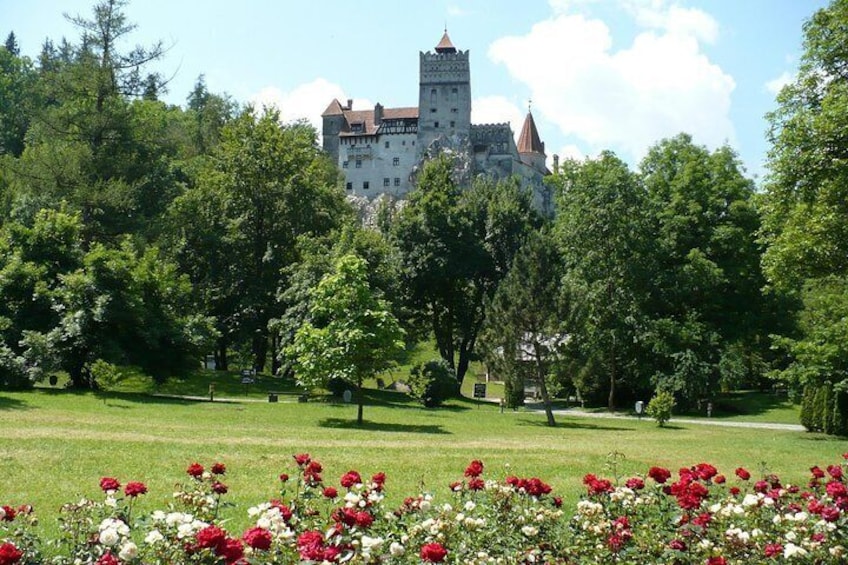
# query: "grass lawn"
{"type": "Point", "coordinates": [55, 445]}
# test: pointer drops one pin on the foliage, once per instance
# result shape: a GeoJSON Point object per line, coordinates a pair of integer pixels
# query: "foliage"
{"type": "Point", "coordinates": [527, 322]}
{"type": "Point", "coordinates": [351, 334]}
{"type": "Point", "coordinates": [238, 228]}
{"type": "Point", "coordinates": [456, 244]}
{"type": "Point", "coordinates": [661, 406]}
{"type": "Point", "coordinates": [699, 516]}
{"type": "Point", "coordinates": [823, 409]}
{"type": "Point", "coordinates": [432, 382]}
{"type": "Point", "coordinates": [604, 237]}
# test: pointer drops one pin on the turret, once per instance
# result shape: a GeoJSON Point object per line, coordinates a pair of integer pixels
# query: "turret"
{"type": "Point", "coordinates": [444, 95]}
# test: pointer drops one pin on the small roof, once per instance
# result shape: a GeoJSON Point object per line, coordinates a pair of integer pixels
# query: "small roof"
{"type": "Point", "coordinates": [334, 109]}
{"type": "Point", "coordinates": [366, 119]}
{"type": "Point", "coordinates": [529, 141]}
{"type": "Point", "coordinates": [445, 45]}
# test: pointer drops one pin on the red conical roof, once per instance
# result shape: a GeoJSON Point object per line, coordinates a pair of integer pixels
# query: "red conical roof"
{"type": "Point", "coordinates": [334, 109]}
{"type": "Point", "coordinates": [529, 141]}
{"type": "Point", "coordinates": [445, 45]}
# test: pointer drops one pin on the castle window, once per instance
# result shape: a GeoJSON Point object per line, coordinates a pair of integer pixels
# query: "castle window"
{"type": "Point", "coordinates": [433, 96]}
{"type": "Point", "coordinates": [386, 145]}
{"type": "Point", "coordinates": [385, 181]}
{"type": "Point", "coordinates": [349, 186]}
{"type": "Point", "coordinates": [436, 125]}
{"type": "Point", "coordinates": [365, 185]}
{"type": "Point", "coordinates": [403, 142]}
{"type": "Point", "coordinates": [432, 110]}
{"type": "Point", "coordinates": [454, 110]}
{"type": "Point", "coordinates": [397, 181]}
{"type": "Point", "coordinates": [396, 161]}
{"type": "Point", "coordinates": [344, 164]}
{"type": "Point", "coordinates": [359, 163]}
{"type": "Point", "coordinates": [453, 124]}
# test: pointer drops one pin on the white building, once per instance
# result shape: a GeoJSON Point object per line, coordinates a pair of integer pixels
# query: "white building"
{"type": "Point", "coordinates": [379, 149]}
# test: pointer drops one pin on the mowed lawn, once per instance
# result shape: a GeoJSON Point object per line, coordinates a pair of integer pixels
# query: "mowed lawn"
{"type": "Point", "coordinates": [55, 446]}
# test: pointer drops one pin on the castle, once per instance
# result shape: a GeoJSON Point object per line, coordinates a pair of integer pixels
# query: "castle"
{"type": "Point", "coordinates": [379, 150]}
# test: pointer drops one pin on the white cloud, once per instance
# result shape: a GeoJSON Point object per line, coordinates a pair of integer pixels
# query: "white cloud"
{"type": "Point", "coordinates": [306, 101]}
{"type": "Point", "coordinates": [776, 85]}
{"type": "Point", "coordinates": [497, 110]}
{"type": "Point", "coordinates": [625, 99]}
{"type": "Point", "coordinates": [456, 11]}
{"type": "Point", "coordinates": [659, 15]}
{"type": "Point", "coordinates": [568, 6]}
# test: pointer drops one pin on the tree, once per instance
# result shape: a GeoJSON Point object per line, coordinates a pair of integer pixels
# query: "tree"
{"type": "Point", "coordinates": [604, 236]}
{"type": "Point", "coordinates": [806, 193]}
{"type": "Point", "coordinates": [18, 98]}
{"type": "Point", "coordinates": [11, 44]}
{"type": "Point", "coordinates": [238, 228]}
{"type": "Point", "coordinates": [706, 291]}
{"type": "Point", "coordinates": [805, 205]}
{"type": "Point", "coordinates": [528, 317]}
{"type": "Point", "coordinates": [456, 244]}
{"type": "Point", "coordinates": [351, 334]}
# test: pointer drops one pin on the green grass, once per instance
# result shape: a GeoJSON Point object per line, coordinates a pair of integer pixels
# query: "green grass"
{"type": "Point", "coordinates": [56, 444]}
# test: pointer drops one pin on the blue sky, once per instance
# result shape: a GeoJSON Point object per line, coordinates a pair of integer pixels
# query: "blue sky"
{"type": "Point", "coordinates": [602, 74]}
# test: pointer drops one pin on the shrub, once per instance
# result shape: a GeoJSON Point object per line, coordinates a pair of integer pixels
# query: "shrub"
{"type": "Point", "coordinates": [432, 382]}
{"type": "Point", "coordinates": [337, 386]}
{"type": "Point", "coordinates": [660, 407]}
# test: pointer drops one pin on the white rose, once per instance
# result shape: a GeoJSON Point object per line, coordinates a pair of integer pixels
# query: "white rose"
{"type": "Point", "coordinates": [529, 531]}
{"type": "Point", "coordinates": [396, 549]}
{"type": "Point", "coordinates": [154, 537]}
{"type": "Point", "coordinates": [128, 551]}
{"type": "Point", "coordinates": [109, 537]}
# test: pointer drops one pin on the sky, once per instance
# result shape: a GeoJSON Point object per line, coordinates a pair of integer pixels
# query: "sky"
{"type": "Point", "coordinates": [598, 75]}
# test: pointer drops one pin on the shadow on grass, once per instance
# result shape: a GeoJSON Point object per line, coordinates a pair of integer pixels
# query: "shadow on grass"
{"type": "Point", "coordinates": [12, 404]}
{"type": "Point", "coordinates": [572, 425]}
{"type": "Point", "coordinates": [392, 399]}
{"type": "Point", "coordinates": [745, 403]}
{"type": "Point", "coordinates": [350, 424]}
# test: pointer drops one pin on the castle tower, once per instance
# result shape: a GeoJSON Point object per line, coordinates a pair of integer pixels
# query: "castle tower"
{"type": "Point", "coordinates": [333, 123]}
{"type": "Point", "coordinates": [444, 95]}
{"type": "Point", "coordinates": [531, 149]}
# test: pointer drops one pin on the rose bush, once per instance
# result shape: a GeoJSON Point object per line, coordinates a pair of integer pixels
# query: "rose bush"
{"type": "Point", "coordinates": [694, 515]}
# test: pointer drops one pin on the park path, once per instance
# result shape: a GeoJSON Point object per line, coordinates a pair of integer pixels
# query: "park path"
{"type": "Point", "coordinates": [700, 421]}
{"type": "Point", "coordinates": [536, 408]}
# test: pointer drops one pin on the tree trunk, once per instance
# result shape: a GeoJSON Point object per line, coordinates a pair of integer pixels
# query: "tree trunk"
{"type": "Point", "coordinates": [275, 353]}
{"type": "Point", "coordinates": [360, 402]}
{"type": "Point", "coordinates": [611, 399]}
{"type": "Point", "coordinates": [543, 386]}
{"type": "Point", "coordinates": [221, 360]}
{"type": "Point", "coordinates": [260, 350]}
{"type": "Point", "coordinates": [462, 365]}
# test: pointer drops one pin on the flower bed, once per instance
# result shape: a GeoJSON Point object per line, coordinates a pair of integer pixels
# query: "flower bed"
{"type": "Point", "coordinates": [694, 516]}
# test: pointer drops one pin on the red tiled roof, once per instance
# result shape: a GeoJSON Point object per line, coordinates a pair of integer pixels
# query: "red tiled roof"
{"type": "Point", "coordinates": [366, 118]}
{"type": "Point", "coordinates": [334, 109]}
{"type": "Point", "coordinates": [445, 45]}
{"type": "Point", "coordinates": [529, 141]}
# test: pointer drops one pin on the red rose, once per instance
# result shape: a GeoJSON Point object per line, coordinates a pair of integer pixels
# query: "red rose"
{"type": "Point", "coordinates": [734, 491]}
{"type": "Point", "coordinates": [379, 479]}
{"type": "Point", "coordinates": [258, 538]}
{"type": "Point", "coordinates": [834, 471]}
{"type": "Point", "coordinates": [106, 559]}
{"type": "Point", "coordinates": [743, 474]}
{"type": "Point", "coordinates": [475, 469]}
{"type": "Point", "coordinates": [230, 549]}
{"type": "Point", "coordinates": [433, 552]}
{"type": "Point", "coordinates": [677, 545]}
{"type": "Point", "coordinates": [8, 513]}
{"type": "Point", "coordinates": [211, 537]}
{"type": "Point", "coordinates": [635, 483]}
{"type": "Point", "coordinates": [134, 489]}
{"type": "Point", "coordinates": [773, 550]}
{"type": "Point", "coordinates": [195, 470]}
{"type": "Point", "coordinates": [285, 511]}
{"type": "Point", "coordinates": [703, 519]}
{"type": "Point", "coordinates": [364, 519]}
{"type": "Point", "coordinates": [218, 469]}
{"type": "Point", "coordinates": [659, 474]}
{"type": "Point", "coordinates": [9, 554]}
{"type": "Point", "coordinates": [716, 561]}
{"type": "Point", "coordinates": [705, 471]}
{"type": "Point", "coordinates": [302, 459]}
{"type": "Point", "coordinates": [284, 477]}
{"type": "Point", "coordinates": [310, 545]}
{"type": "Point", "coordinates": [761, 487]}
{"type": "Point", "coordinates": [719, 479]}
{"type": "Point", "coordinates": [830, 513]}
{"type": "Point", "coordinates": [350, 478]}
{"type": "Point", "coordinates": [313, 467]}
{"type": "Point", "coordinates": [108, 483]}
{"type": "Point", "coordinates": [558, 501]}
{"type": "Point", "coordinates": [817, 472]}
{"type": "Point", "coordinates": [476, 484]}
{"type": "Point", "coordinates": [219, 488]}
